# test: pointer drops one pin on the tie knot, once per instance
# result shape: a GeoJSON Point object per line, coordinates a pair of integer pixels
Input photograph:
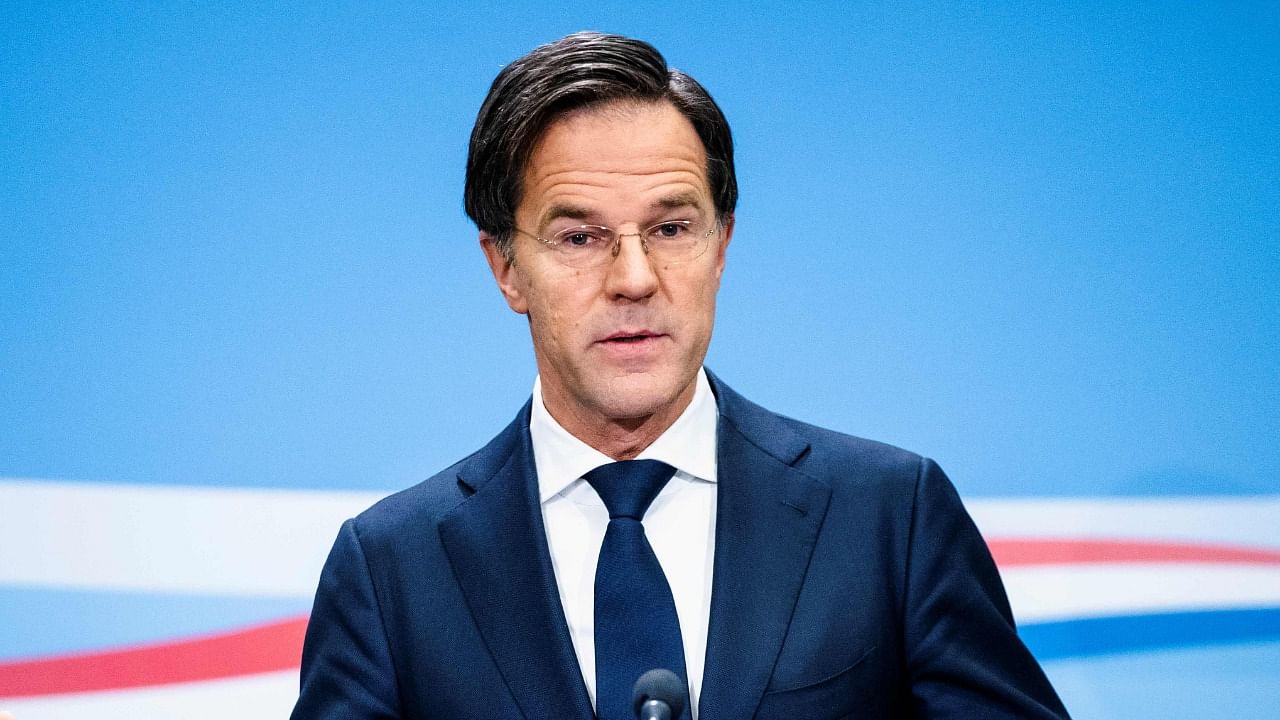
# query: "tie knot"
{"type": "Point", "coordinates": [629, 486]}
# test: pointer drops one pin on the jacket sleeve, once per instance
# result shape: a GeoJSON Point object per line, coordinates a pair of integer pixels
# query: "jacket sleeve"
{"type": "Point", "coordinates": [347, 671]}
{"type": "Point", "coordinates": [964, 658]}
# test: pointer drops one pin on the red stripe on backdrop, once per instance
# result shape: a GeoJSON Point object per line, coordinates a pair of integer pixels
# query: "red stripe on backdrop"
{"type": "Point", "coordinates": [1011, 552]}
{"type": "Point", "coordinates": [278, 645]}
{"type": "Point", "coordinates": [258, 649]}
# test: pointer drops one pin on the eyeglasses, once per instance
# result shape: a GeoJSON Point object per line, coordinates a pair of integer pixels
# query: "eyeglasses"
{"type": "Point", "coordinates": [669, 242]}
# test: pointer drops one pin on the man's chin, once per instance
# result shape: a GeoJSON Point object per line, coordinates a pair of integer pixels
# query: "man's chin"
{"type": "Point", "coordinates": [638, 397]}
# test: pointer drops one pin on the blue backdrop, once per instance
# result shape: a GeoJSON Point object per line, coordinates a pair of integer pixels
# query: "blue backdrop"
{"type": "Point", "coordinates": [1040, 244]}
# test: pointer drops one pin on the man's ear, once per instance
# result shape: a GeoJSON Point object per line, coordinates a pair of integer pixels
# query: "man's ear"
{"type": "Point", "coordinates": [723, 245]}
{"type": "Point", "coordinates": [504, 272]}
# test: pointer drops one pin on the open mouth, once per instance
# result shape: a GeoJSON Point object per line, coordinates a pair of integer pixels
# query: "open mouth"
{"type": "Point", "coordinates": [631, 337]}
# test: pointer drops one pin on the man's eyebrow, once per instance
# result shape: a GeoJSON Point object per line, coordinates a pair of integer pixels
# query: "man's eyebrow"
{"type": "Point", "coordinates": [678, 200]}
{"type": "Point", "coordinates": [561, 210]}
{"type": "Point", "coordinates": [674, 201]}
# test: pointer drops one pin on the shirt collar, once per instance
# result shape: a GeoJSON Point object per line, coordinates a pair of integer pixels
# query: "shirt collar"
{"type": "Point", "coordinates": [689, 445]}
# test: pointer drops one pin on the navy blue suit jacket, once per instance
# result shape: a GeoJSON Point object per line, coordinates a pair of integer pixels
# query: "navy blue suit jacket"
{"type": "Point", "coordinates": [849, 582]}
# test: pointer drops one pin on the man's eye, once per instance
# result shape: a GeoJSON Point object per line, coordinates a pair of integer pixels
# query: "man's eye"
{"type": "Point", "coordinates": [669, 230]}
{"type": "Point", "coordinates": [579, 238]}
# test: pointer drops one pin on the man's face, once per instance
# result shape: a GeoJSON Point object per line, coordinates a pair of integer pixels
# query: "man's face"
{"type": "Point", "coordinates": [621, 343]}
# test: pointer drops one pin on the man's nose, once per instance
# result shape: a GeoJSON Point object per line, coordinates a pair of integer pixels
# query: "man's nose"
{"type": "Point", "coordinates": [631, 274]}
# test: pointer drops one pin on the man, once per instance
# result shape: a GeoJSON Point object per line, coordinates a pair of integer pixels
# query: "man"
{"type": "Point", "coordinates": [780, 570]}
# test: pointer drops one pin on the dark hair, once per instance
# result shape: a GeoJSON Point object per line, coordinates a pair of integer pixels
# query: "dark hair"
{"type": "Point", "coordinates": [574, 72]}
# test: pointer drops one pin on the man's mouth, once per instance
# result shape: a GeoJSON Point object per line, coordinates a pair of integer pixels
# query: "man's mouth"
{"type": "Point", "coordinates": [630, 336]}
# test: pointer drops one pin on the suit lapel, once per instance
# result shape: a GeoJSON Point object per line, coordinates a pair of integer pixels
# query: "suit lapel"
{"type": "Point", "coordinates": [498, 549]}
{"type": "Point", "coordinates": [767, 520]}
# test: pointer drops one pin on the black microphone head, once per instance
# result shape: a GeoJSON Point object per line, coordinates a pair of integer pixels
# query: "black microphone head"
{"type": "Point", "coordinates": [661, 685]}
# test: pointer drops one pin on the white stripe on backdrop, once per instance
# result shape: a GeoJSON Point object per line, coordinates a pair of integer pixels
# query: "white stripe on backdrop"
{"type": "Point", "coordinates": [273, 542]}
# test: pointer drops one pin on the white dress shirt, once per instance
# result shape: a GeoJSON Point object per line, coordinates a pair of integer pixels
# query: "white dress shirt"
{"type": "Point", "coordinates": [680, 524]}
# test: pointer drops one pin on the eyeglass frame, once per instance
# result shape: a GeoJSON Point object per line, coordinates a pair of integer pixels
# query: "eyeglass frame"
{"type": "Point", "coordinates": [617, 241]}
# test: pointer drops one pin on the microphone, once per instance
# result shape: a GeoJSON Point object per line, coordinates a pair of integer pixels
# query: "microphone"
{"type": "Point", "coordinates": [658, 695]}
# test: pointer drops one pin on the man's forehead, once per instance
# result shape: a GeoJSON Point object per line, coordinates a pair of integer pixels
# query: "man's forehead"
{"type": "Point", "coordinates": [649, 151]}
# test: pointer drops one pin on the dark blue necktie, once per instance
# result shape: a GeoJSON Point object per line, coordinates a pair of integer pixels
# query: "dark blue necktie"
{"type": "Point", "coordinates": [636, 625]}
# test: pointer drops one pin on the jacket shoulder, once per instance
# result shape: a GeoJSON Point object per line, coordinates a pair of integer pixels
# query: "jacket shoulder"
{"type": "Point", "coordinates": [839, 458]}
{"type": "Point", "coordinates": [421, 507]}
{"type": "Point", "coordinates": [835, 458]}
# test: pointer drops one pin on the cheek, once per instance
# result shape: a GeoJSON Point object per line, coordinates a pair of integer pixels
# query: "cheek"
{"type": "Point", "coordinates": [558, 311]}
{"type": "Point", "coordinates": [699, 302]}
{"type": "Point", "coordinates": [705, 312]}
